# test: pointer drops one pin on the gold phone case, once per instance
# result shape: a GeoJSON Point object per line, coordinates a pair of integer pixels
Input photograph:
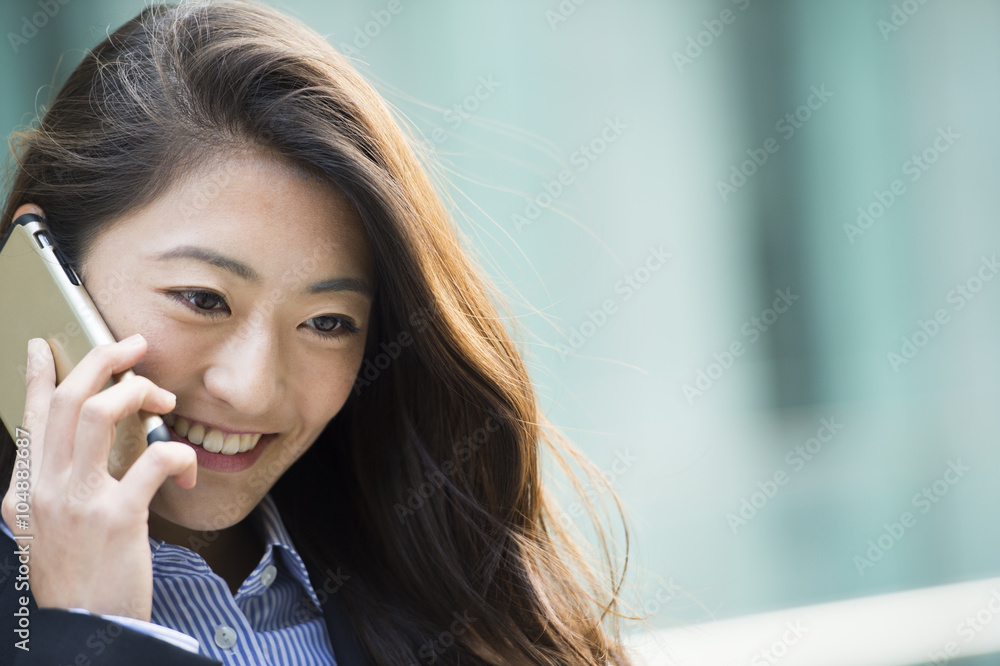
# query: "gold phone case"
{"type": "Point", "coordinates": [42, 297]}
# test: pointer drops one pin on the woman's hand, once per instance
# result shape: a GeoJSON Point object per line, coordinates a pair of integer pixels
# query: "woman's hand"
{"type": "Point", "coordinates": [90, 547]}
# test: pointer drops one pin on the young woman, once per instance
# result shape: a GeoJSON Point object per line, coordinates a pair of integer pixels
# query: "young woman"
{"type": "Point", "coordinates": [356, 471]}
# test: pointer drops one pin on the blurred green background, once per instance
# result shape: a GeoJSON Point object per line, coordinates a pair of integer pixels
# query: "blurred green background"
{"type": "Point", "coordinates": [583, 141]}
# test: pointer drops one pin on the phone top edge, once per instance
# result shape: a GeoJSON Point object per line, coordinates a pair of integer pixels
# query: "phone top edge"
{"type": "Point", "coordinates": [21, 221]}
{"type": "Point", "coordinates": [26, 218]}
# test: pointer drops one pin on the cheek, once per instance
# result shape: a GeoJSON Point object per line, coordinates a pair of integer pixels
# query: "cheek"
{"type": "Point", "coordinates": [171, 352]}
{"type": "Point", "coordinates": [169, 346]}
{"type": "Point", "coordinates": [323, 390]}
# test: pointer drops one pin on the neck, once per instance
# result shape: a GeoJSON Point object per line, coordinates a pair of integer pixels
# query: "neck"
{"type": "Point", "coordinates": [232, 553]}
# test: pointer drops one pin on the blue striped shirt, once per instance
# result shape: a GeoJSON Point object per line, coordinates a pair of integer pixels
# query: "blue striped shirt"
{"type": "Point", "coordinates": [273, 618]}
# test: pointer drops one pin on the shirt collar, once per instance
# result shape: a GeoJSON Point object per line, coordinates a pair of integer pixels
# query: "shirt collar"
{"type": "Point", "coordinates": [274, 534]}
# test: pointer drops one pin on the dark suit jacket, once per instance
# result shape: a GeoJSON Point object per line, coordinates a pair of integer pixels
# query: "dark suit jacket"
{"type": "Point", "coordinates": [61, 638]}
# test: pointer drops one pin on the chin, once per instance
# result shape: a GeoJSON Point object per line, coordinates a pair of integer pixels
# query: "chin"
{"type": "Point", "coordinates": [204, 511]}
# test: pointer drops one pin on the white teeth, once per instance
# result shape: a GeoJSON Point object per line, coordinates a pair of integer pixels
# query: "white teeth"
{"type": "Point", "coordinates": [212, 439]}
{"type": "Point", "coordinates": [248, 441]}
{"type": "Point", "coordinates": [196, 434]}
{"type": "Point", "coordinates": [231, 445]}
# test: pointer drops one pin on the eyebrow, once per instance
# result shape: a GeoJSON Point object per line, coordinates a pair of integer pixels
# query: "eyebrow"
{"type": "Point", "coordinates": [241, 270]}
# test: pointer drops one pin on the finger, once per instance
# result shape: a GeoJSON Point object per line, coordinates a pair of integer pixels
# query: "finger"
{"type": "Point", "coordinates": [101, 413]}
{"type": "Point", "coordinates": [89, 376]}
{"type": "Point", "coordinates": [41, 382]}
{"type": "Point", "coordinates": [150, 471]}
{"type": "Point", "coordinates": [14, 501]}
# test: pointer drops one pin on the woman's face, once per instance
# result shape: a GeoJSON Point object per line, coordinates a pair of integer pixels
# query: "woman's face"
{"type": "Point", "coordinates": [252, 285]}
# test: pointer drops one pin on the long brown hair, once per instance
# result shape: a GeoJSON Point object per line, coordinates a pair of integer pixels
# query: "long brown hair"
{"type": "Point", "coordinates": [427, 487]}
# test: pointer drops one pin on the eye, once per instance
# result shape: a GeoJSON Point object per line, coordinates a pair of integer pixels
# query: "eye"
{"type": "Point", "coordinates": [333, 326]}
{"type": "Point", "coordinates": [211, 304]}
{"type": "Point", "coordinates": [206, 303]}
{"type": "Point", "coordinates": [202, 302]}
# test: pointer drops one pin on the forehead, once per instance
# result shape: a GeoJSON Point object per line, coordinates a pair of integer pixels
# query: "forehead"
{"type": "Point", "coordinates": [269, 212]}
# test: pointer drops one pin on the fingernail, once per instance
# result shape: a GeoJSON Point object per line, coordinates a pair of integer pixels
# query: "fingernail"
{"type": "Point", "coordinates": [34, 350]}
{"type": "Point", "coordinates": [134, 340]}
{"type": "Point", "coordinates": [171, 398]}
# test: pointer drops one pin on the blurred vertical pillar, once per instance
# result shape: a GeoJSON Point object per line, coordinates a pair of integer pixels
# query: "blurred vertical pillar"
{"type": "Point", "coordinates": [826, 166]}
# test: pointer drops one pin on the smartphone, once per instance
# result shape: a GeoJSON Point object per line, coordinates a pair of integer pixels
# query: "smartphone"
{"type": "Point", "coordinates": [41, 296]}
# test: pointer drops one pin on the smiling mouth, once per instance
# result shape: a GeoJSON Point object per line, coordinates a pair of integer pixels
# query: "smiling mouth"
{"type": "Point", "coordinates": [212, 439]}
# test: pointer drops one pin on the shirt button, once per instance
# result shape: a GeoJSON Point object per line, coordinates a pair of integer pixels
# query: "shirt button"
{"type": "Point", "coordinates": [268, 575]}
{"type": "Point", "coordinates": [225, 637]}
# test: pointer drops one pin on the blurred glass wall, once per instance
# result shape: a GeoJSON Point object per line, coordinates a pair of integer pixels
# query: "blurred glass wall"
{"type": "Point", "coordinates": [751, 249]}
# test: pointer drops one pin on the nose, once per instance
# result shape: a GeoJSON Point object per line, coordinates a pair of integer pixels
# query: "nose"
{"type": "Point", "coordinates": [247, 371]}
